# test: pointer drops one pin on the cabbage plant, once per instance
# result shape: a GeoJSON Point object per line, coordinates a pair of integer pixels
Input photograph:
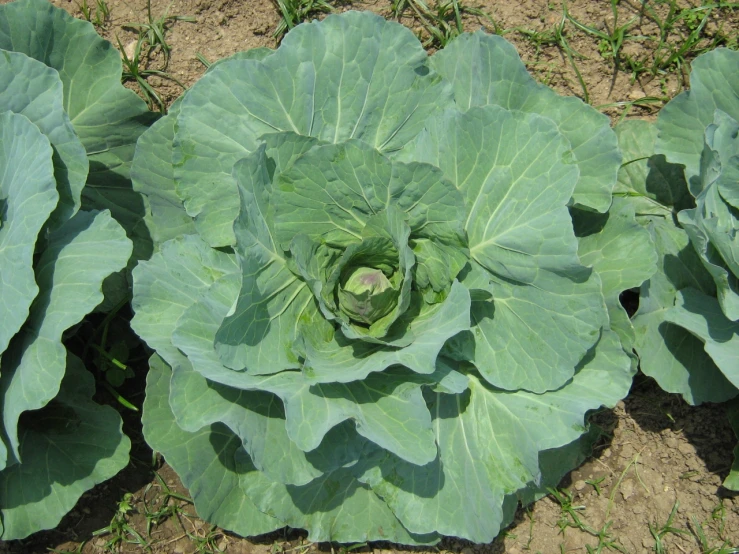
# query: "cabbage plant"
{"type": "Point", "coordinates": [384, 297]}
{"type": "Point", "coordinates": [682, 176]}
{"type": "Point", "coordinates": [67, 132]}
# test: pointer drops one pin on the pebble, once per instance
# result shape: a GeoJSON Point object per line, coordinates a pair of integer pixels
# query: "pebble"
{"type": "Point", "coordinates": [627, 488]}
{"type": "Point", "coordinates": [579, 485]}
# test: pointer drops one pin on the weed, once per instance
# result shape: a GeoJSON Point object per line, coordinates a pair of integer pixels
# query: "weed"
{"type": "Point", "coordinates": [443, 21]}
{"type": "Point", "coordinates": [120, 530]}
{"type": "Point", "coordinates": [718, 523]}
{"type": "Point", "coordinates": [134, 72]}
{"type": "Point", "coordinates": [659, 533]}
{"type": "Point", "coordinates": [570, 517]}
{"type": "Point", "coordinates": [556, 37]}
{"type": "Point", "coordinates": [595, 483]}
{"type": "Point", "coordinates": [612, 40]}
{"type": "Point", "coordinates": [154, 31]}
{"type": "Point", "coordinates": [98, 16]}
{"type": "Point", "coordinates": [296, 11]}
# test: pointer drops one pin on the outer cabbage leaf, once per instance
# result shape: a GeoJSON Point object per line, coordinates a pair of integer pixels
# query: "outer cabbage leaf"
{"type": "Point", "coordinates": [623, 256]}
{"type": "Point", "coordinates": [650, 183]}
{"type": "Point", "coordinates": [223, 481]}
{"type": "Point", "coordinates": [28, 194]}
{"type": "Point", "coordinates": [152, 169]}
{"type": "Point", "coordinates": [107, 117]}
{"type": "Point", "coordinates": [712, 226]}
{"type": "Point", "coordinates": [152, 174]}
{"type": "Point", "coordinates": [486, 69]}
{"type": "Point", "coordinates": [714, 84]}
{"type": "Point", "coordinates": [354, 76]}
{"type": "Point", "coordinates": [668, 353]}
{"type": "Point", "coordinates": [336, 507]}
{"type": "Point", "coordinates": [702, 316]}
{"type": "Point", "coordinates": [657, 190]}
{"type": "Point", "coordinates": [514, 172]}
{"type": "Point", "coordinates": [31, 88]}
{"type": "Point", "coordinates": [489, 441]}
{"type": "Point", "coordinates": [66, 448]}
{"type": "Point", "coordinates": [69, 273]}
{"type": "Point", "coordinates": [204, 460]}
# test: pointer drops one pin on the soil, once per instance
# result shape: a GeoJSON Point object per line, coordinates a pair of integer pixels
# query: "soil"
{"type": "Point", "coordinates": [659, 455]}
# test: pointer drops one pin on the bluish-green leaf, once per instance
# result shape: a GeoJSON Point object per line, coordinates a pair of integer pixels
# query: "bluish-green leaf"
{"type": "Point", "coordinates": [489, 442]}
{"type": "Point", "coordinates": [107, 117]}
{"type": "Point", "coordinates": [532, 337]}
{"type": "Point", "coordinates": [354, 76]}
{"type": "Point", "coordinates": [714, 84]}
{"type": "Point", "coordinates": [259, 334]}
{"type": "Point", "coordinates": [66, 448]}
{"type": "Point", "coordinates": [669, 353]}
{"type": "Point", "coordinates": [28, 194]}
{"type": "Point", "coordinates": [623, 256]}
{"type": "Point", "coordinates": [69, 273]}
{"type": "Point", "coordinates": [486, 69]}
{"type": "Point", "coordinates": [152, 174]}
{"type": "Point", "coordinates": [335, 507]}
{"type": "Point", "coordinates": [29, 87]}
{"type": "Point", "coordinates": [650, 183]}
{"type": "Point", "coordinates": [702, 316]}
{"type": "Point", "coordinates": [516, 173]}
{"type": "Point", "coordinates": [204, 461]}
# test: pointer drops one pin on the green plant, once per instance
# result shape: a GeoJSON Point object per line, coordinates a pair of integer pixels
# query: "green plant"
{"type": "Point", "coordinates": [611, 41]}
{"type": "Point", "coordinates": [294, 12]}
{"type": "Point", "coordinates": [133, 71]}
{"type": "Point", "coordinates": [119, 531]}
{"type": "Point", "coordinates": [99, 17]}
{"type": "Point", "coordinates": [557, 36]}
{"type": "Point", "coordinates": [681, 176]}
{"type": "Point", "coordinates": [153, 33]}
{"type": "Point", "coordinates": [443, 21]}
{"type": "Point", "coordinates": [570, 517]}
{"type": "Point", "coordinates": [65, 160]}
{"type": "Point", "coordinates": [659, 532]}
{"type": "Point", "coordinates": [328, 356]}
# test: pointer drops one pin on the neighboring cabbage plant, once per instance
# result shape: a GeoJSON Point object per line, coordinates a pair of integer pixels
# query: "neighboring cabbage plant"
{"type": "Point", "coordinates": [67, 133]}
{"type": "Point", "coordinates": [107, 117]}
{"type": "Point", "coordinates": [372, 316]}
{"type": "Point", "coordinates": [682, 177]}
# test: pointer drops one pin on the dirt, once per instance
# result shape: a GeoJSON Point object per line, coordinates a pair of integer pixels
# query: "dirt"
{"type": "Point", "coordinates": [658, 456]}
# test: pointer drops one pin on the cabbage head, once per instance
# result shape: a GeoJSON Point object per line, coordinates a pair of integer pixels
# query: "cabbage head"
{"type": "Point", "coordinates": [55, 441]}
{"type": "Point", "coordinates": [384, 297]}
{"type": "Point", "coordinates": [684, 181]}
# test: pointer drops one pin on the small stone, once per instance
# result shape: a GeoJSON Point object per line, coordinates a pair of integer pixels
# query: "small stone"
{"type": "Point", "coordinates": [607, 453]}
{"type": "Point", "coordinates": [686, 448]}
{"type": "Point", "coordinates": [671, 442]}
{"type": "Point", "coordinates": [579, 485]}
{"type": "Point", "coordinates": [627, 488]}
{"type": "Point", "coordinates": [130, 49]}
